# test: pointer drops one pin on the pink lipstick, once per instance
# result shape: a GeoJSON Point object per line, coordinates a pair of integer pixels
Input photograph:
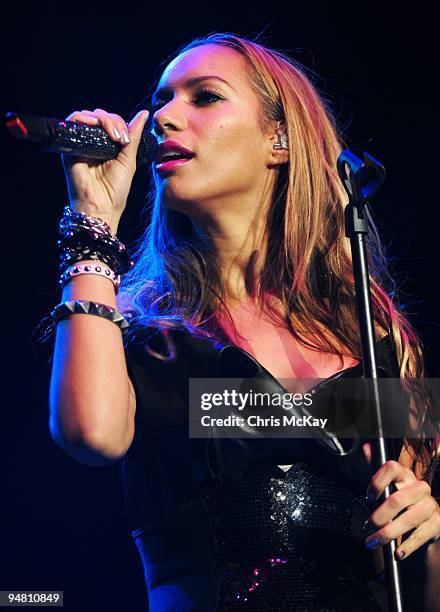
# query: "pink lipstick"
{"type": "Point", "coordinates": [171, 155]}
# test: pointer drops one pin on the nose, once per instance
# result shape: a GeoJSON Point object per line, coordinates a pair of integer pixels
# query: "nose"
{"type": "Point", "coordinates": [168, 117]}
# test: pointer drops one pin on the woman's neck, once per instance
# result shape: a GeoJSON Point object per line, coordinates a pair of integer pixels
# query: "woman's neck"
{"type": "Point", "coordinates": [239, 243]}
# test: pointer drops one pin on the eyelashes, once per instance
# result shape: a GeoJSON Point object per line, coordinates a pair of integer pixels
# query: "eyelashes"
{"type": "Point", "coordinates": [207, 96]}
{"type": "Point", "coordinates": [203, 97]}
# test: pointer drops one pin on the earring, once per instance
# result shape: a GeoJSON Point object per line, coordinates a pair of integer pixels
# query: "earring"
{"type": "Point", "coordinates": [282, 142]}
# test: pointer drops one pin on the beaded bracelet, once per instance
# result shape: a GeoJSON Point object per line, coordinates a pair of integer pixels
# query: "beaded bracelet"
{"type": "Point", "coordinates": [71, 255]}
{"type": "Point", "coordinates": [84, 237]}
{"type": "Point", "coordinates": [73, 222]}
{"type": "Point", "coordinates": [97, 269]}
{"type": "Point", "coordinates": [70, 307]}
{"type": "Point", "coordinates": [77, 248]}
{"type": "Point", "coordinates": [79, 230]}
{"type": "Point", "coordinates": [73, 217]}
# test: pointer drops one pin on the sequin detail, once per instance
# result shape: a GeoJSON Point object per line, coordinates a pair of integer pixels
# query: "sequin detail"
{"type": "Point", "coordinates": [299, 498]}
{"type": "Point", "coordinates": [282, 541]}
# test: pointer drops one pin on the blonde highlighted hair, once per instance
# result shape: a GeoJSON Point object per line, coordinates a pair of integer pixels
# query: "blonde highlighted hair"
{"type": "Point", "coordinates": [177, 282]}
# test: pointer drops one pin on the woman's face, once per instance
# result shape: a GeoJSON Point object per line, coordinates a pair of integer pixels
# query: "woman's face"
{"type": "Point", "coordinates": [204, 101]}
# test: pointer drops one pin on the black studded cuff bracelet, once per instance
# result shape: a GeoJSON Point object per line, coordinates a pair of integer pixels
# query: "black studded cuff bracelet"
{"type": "Point", "coordinates": [65, 309]}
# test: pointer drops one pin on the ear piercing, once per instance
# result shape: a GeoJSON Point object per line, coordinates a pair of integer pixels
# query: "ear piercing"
{"type": "Point", "coordinates": [282, 142]}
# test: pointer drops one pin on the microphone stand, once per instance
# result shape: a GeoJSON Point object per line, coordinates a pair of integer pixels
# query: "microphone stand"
{"type": "Point", "coordinates": [361, 180]}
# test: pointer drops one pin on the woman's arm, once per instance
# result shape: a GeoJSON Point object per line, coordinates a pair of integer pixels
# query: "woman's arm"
{"type": "Point", "coordinates": [92, 402]}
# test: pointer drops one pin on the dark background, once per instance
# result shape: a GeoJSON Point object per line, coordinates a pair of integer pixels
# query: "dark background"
{"type": "Point", "coordinates": [62, 524]}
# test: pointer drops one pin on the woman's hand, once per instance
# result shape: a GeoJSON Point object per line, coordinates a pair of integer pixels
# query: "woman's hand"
{"type": "Point", "coordinates": [412, 501]}
{"type": "Point", "coordinates": [101, 189]}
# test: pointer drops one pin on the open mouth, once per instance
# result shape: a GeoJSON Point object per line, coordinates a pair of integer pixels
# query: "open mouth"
{"type": "Point", "coordinates": [168, 162]}
{"type": "Point", "coordinates": [171, 155]}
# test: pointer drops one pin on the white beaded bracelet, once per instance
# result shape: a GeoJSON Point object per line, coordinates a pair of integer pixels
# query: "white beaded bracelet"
{"type": "Point", "coordinates": [97, 268]}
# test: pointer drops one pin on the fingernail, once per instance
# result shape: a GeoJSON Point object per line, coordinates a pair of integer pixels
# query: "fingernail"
{"type": "Point", "coordinates": [125, 136]}
{"type": "Point", "coordinates": [146, 116]}
{"type": "Point", "coordinates": [372, 543]}
{"type": "Point", "coordinates": [116, 133]}
{"type": "Point", "coordinates": [401, 554]}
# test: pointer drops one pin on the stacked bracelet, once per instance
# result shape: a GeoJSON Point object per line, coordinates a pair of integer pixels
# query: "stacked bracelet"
{"type": "Point", "coordinates": [89, 238]}
{"type": "Point", "coordinates": [65, 309]}
{"type": "Point", "coordinates": [83, 237]}
{"type": "Point", "coordinates": [98, 269]}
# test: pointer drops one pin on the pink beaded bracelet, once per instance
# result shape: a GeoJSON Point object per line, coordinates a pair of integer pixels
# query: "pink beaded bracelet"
{"type": "Point", "coordinates": [96, 268]}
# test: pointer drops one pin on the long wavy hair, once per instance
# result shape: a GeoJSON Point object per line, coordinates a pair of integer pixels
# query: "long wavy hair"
{"type": "Point", "coordinates": [176, 281]}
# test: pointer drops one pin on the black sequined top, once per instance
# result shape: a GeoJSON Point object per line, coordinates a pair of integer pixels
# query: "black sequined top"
{"type": "Point", "coordinates": [219, 525]}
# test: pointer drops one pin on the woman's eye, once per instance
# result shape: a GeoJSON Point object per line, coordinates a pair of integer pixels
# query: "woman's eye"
{"type": "Point", "coordinates": [206, 97]}
{"type": "Point", "coordinates": [200, 99]}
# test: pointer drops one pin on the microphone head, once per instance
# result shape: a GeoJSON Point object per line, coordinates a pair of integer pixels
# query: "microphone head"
{"type": "Point", "coordinates": [148, 145]}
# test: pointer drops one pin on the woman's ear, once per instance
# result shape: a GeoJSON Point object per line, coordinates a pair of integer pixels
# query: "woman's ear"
{"type": "Point", "coordinates": [280, 145]}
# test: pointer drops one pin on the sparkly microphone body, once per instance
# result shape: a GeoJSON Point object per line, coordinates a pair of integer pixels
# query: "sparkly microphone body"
{"type": "Point", "coordinates": [71, 138]}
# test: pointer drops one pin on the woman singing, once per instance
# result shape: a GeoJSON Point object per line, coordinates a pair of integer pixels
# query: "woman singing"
{"type": "Point", "coordinates": [244, 269]}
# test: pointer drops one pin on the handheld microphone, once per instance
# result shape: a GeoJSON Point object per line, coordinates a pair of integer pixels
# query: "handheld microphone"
{"type": "Point", "coordinates": [72, 138]}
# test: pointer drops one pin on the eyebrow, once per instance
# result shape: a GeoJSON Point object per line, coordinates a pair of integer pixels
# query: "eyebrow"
{"type": "Point", "coordinates": [157, 95]}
